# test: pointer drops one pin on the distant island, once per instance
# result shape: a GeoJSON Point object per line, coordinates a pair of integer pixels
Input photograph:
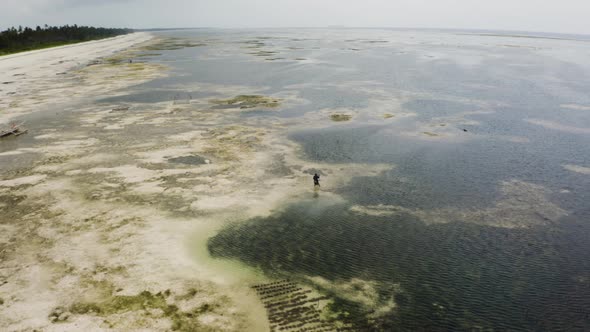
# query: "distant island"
{"type": "Point", "coordinates": [21, 39]}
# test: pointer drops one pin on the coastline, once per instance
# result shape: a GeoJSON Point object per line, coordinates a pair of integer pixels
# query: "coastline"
{"type": "Point", "coordinates": [32, 73]}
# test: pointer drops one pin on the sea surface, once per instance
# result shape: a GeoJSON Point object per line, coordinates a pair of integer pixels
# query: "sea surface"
{"type": "Point", "coordinates": [482, 221]}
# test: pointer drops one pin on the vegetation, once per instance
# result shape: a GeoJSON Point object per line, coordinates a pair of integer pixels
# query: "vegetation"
{"type": "Point", "coordinates": [24, 39]}
{"type": "Point", "coordinates": [337, 245]}
{"type": "Point", "coordinates": [340, 117]}
{"type": "Point", "coordinates": [171, 44]}
{"type": "Point", "coordinates": [249, 101]}
{"type": "Point", "coordinates": [149, 304]}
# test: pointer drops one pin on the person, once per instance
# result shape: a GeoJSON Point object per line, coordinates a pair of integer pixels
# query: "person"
{"type": "Point", "coordinates": [316, 179]}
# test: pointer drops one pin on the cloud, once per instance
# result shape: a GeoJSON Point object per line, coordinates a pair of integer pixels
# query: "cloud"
{"type": "Point", "coordinates": [90, 3]}
{"type": "Point", "coordinates": [532, 15]}
{"type": "Point", "coordinates": [36, 6]}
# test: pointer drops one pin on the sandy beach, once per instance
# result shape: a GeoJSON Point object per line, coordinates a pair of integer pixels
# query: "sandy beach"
{"type": "Point", "coordinates": [31, 80]}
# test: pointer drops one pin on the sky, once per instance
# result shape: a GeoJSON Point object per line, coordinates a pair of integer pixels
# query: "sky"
{"type": "Point", "coordinates": [563, 16]}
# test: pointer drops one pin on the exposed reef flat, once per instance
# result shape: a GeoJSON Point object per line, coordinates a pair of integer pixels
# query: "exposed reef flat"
{"type": "Point", "coordinates": [95, 222]}
{"type": "Point", "coordinates": [81, 249]}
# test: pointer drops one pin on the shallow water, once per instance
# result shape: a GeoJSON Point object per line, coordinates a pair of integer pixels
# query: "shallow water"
{"type": "Point", "coordinates": [477, 225]}
{"type": "Point", "coordinates": [456, 276]}
{"type": "Point", "coordinates": [465, 120]}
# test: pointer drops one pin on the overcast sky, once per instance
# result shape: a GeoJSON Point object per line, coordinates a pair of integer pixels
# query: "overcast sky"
{"type": "Point", "coordinates": [568, 16]}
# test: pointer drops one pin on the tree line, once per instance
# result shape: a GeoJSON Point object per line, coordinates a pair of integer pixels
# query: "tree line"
{"type": "Point", "coordinates": [19, 39]}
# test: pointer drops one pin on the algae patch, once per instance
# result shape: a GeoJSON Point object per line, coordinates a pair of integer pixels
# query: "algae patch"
{"type": "Point", "coordinates": [121, 303]}
{"type": "Point", "coordinates": [248, 101]}
{"type": "Point", "coordinates": [170, 44]}
{"type": "Point", "coordinates": [189, 160]}
{"type": "Point", "coordinates": [158, 305]}
{"type": "Point", "coordinates": [340, 117]}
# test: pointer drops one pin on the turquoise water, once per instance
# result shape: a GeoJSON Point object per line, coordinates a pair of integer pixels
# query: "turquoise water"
{"type": "Point", "coordinates": [482, 111]}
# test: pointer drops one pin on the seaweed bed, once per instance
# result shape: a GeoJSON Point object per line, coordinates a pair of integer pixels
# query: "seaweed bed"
{"type": "Point", "coordinates": [293, 308]}
{"type": "Point", "coordinates": [170, 44]}
{"type": "Point", "coordinates": [340, 117]}
{"type": "Point", "coordinates": [444, 271]}
{"type": "Point", "coordinates": [248, 101]}
{"type": "Point", "coordinates": [146, 303]}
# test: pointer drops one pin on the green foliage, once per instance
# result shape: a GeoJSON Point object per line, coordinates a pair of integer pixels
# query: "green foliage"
{"type": "Point", "coordinates": [23, 39]}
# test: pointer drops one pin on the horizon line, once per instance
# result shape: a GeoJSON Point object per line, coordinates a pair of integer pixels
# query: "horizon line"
{"type": "Point", "coordinates": [372, 27]}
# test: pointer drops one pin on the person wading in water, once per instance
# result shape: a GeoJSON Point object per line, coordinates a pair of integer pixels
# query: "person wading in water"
{"type": "Point", "coordinates": [316, 180]}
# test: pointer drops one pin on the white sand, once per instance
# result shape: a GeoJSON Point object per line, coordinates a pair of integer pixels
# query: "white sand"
{"type": "Point", "coordinates": [28, 70]}
{"type": "Point", "coordinates": [577, 169]}
{"type": "Point", "coordinates": [32, 179]}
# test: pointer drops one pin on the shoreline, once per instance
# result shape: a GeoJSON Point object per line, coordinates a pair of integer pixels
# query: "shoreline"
{"type": "Point", "coordinates": [28, 73]}
{"type": "Point", "coordinates": [64, 46]}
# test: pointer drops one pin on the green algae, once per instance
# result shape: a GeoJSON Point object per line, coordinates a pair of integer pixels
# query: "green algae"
{"type": "Point", "coordinates": [148, 55]}
{"type": "Point", "coordinates": [340, 117]}
{"type": "Point", "coordinates": [121, 303]}
{"type": "Point", "coordinates": [430, 134]}
{"type": "Point", "coordinates": [170, 44]}
{"type": "Point", "coordinates": [249, 101]}
{"type": "Point", "coordinates": [137, 66]}
{"type": "Point", "coordinates": [388, 116]}
{"type": "Point", "coordinates": [147, 302]}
